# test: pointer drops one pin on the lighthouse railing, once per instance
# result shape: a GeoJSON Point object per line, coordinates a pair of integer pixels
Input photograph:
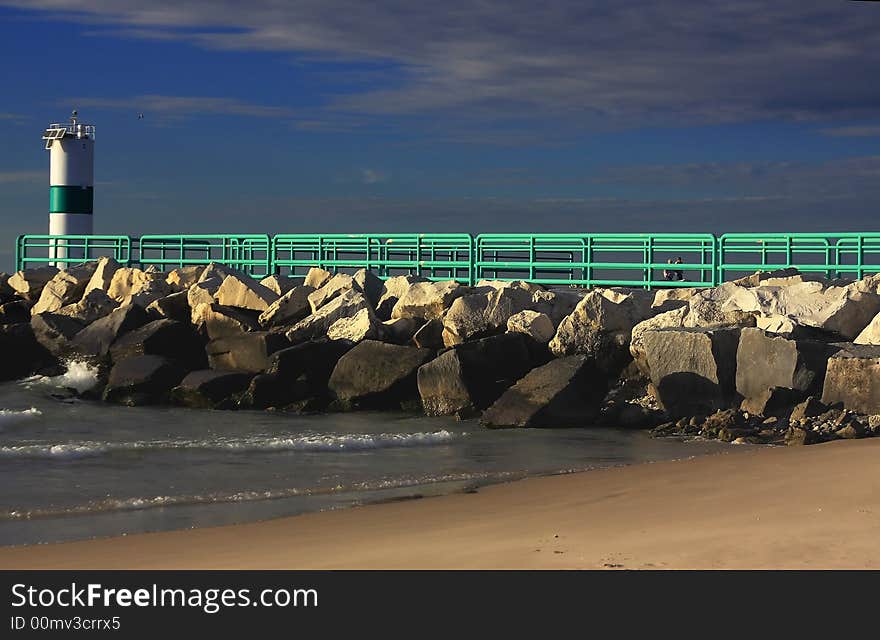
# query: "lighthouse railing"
{"type": "Point", "coordinates": [250, 253]}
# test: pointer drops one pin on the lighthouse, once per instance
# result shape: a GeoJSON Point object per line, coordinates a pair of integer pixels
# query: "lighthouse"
{"type": "Point", "coordinates": [71, 146]}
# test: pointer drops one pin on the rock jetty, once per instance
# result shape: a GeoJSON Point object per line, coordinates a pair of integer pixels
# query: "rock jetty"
{"type": "Point", "coordinates": [776, 357]}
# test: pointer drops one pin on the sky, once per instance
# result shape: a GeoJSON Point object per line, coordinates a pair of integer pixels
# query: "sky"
{"type": "Point", "coordinates": [274, 116]}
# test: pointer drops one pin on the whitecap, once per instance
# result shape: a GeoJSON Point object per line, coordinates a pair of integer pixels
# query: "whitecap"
{"type": "Point", "coordinates": [80, 375]}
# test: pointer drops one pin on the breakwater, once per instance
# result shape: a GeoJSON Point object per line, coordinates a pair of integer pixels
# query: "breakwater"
{"type": "Point", "coordinates": [772, 357]}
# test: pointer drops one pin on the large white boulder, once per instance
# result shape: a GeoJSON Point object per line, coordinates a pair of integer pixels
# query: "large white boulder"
{"type": "Point", "coordinates": [363, 325]}
{"type": "Point", "coordinates": [532, 323]}
{"type": "Point", "coordinates": [29, 283]}
{"type": "Point", "coordinates": [65, 287]}
{"type": "Point", "coordinates": [243, 292]}
{"type": "Point", "coordinates": [316, 325]}
{"type": "Point", "coordinates": [428, 300]}
{"type": "Point", "coordinates": [292, 307]}
{"type": "Point", "coordinates": [134, 286]}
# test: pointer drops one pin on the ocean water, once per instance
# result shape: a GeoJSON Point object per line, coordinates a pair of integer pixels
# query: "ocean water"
{"type": "Point", "coordinates": [73, 469]}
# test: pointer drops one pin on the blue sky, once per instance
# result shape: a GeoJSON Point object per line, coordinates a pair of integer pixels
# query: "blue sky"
{"type": "Point", "coordinates": [458, 116]}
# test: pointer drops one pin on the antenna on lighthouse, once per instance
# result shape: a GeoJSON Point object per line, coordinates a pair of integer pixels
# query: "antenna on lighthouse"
{"type": "Point", "coordinates": [71, 146]}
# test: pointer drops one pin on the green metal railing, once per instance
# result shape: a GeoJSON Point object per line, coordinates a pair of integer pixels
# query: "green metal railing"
{"type": "Point", "coordinates": [443, 256]}
{"type": "Point", "coordinates": [251, 253]}
{"type": "Point", "coordinates": [833, 255]}
{"type": "Point", "coordinates": [70, 249]}
{"type": "Point", "coordinates": [587, 260]}
{"type": "Point", "coordinates": [632, 260]}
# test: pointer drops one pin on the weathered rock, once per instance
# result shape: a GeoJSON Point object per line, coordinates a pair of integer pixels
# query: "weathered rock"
{"type": "Point", "coordinates": [480, 315]}
{"type": "Point", "coordinates": [173, 307]}
{"type": "Point", "coordinates": [765, 361]}
{"type": "Point", "coordinates": [853, 379]}
{"type": "Point", "coordinates": [168, 338]}
{"type": "Point", "coordinates": [279, 285]}
{"type": "Point", "coordinates": [317, 324]}
{"type": "Point", "coordinates": [22, 355]}
{"type": "Point", "coordinates": [336, 286]}
{"type": "Point", "coordinates": [65, 287]}
{"type": "Point", "coordinates": [809, 408]}
{"type": "Point", "coordinates": [557, 303]}
{"type": "Point", "coordinates": [142, 380]}
{"type": "Point", "coordinates": [202, 293]}
{"type": "Point", "coordinates": [94, 305]}
{"type": "Point", "coordinates": [392, 290]}
{"type": "Point", "coordinates": [245, 352]}
{"type": "Point", "coordinates": [134, 286]}
{"type": "Point", "coordinates": [566, 392]}
{"type": "Point", "coordinates": [370, 285]}
{"type": "Point", "coordinates": [375, 374]}
{"type": "Point", "coordinates": [401, 330]}
{"type": "Point", "coordinates": [692, 370]}
{"type": "Point", "coordinates": [430, 335]}
{"type": "Point", "coordinates": [471, 376]}
{"type": "Point", "coordinates": [6, 292]}
{"type": "Point", "coordinates": [290, 308]}
{"type": "Point", "coordinates": [243, 292]}
{"type": "Point", "coordinates": [55, 332]}
{"type": "Point", "coordinates": [538, 326]}
{"type": "Point", "coordinates": [871, 333]}
{"type": "Point", "coordinates": [531, 287]}
{"type": "Point", "coordinates": [673, 298]}
{"type": "Point", "coordinates": [361, 326]}
{"type": "Point", "coordinates": [668, 320]}
{"type": "Point", "coordinates": [317, 278]}
{"type": "Point", "coordinates": [427, 300]}
{"type": "Point", "coordinates": [207, 388]}
{"type": "Point", "coordinates": [29, 283]}
{"type": "Point", "coordinates": [717, 307]}
{"type": "Point", "coordinates": [216, 272]}
{"type": "Point", "coordinates": [604, 310]}
{"type": "Point", "coordinates": [15, 312]}
{"type": "Point", "coordinates": [182, 278]}
{"type": "Point", "coordinates": [312, 362]}
{"type": "Point", "coordinates": [95, 339]}
{"type": "Point", "coordinates": [105, 269]}
{"type": "Point", "coordinates": [217, 321]}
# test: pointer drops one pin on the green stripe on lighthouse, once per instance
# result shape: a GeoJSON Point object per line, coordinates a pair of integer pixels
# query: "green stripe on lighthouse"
{"type": "Point", "coordinates": [71, 199]}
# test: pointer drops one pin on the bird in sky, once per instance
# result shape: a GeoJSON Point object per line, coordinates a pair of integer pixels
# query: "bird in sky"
{"type": "Point", "coordinates": [140, 116]}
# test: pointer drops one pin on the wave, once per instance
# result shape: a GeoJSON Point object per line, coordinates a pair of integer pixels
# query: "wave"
{"type": "Point", "coordinates": [250, 444]}
{"type": "Point", "coordinates": [80, 375]}
{"type": "Point", "coordinates": [9, 416]}
{"type": "Point", "coordinates": [154, 502]}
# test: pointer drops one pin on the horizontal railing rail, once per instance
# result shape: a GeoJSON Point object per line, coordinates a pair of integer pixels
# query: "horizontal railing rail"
{"type": "Point", "coordinates": [251, 253]}
{"type": "Point", "coordinates": [445, 256]}
{"type": "Point", "coordinates": [583, 260]}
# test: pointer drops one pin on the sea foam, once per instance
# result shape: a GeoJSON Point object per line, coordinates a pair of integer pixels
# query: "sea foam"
{"type": "Point", "coordinates": [80, 375]}
{"type": "Point", "coordinates": [9, 416]}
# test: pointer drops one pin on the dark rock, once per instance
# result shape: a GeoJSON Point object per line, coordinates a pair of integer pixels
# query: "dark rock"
{"type": "Point", "coordinates": [271, 390]}
{"type": "Point", "coordinates": [809, 408]}
{"type": "Point", "coordinates": [796, 436]}
{"type": "Point", "coordinates": [20, 353]}
{"type": "Point", "coordinates": [15, 312]}
{"type": "Point", "coordinates": [693, 370]}
{"type": "Point", "coordinates": [775, 400]}
{"type": "Point", "coordinates": [312, 362]}
{"type": "Point", "coordinates": [207, 388]}
{"type": "Point", "coordinates": [55, 332]}
{"type": "Point", "coordinates": [473, 375]}
{"type": "Point", "coordinates": [370, 284]}
{"type": "Point", "coordinates": [765, 361]}
{"type": "Point", "coordinates": [851, 431]}
{"type": "Point", "coordinates": [170, 338]}
{"type": "Point", "coordinates": [853, 379]}
{"type": "Point", "coordinates": [175, 307]}
{"type": "Point", "coordinates": [430, 336]}
{"type": "Point", "coordinates": [95, 339]}
{"type": "Point", "coordinates": [566, 392]}
{"type": "Point", "coordinates": [375, 374]}
{"type": "Point", "coordinates": [245, 352]}
{"type": "Point", "coordinates": [142, 380]}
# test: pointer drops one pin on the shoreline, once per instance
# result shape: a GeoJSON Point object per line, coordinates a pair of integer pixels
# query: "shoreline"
{"type": "Point", "coordinates": [791, 507]}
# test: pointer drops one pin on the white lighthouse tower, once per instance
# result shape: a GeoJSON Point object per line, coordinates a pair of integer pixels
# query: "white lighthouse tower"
{"type": "Point", "coordinates": [71, 185]}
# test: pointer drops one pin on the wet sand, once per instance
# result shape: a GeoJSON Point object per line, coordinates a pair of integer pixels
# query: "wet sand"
{"type": "Point", "coordinates": [754, 507]}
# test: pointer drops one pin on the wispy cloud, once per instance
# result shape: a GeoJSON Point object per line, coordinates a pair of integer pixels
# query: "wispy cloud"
{"type": "Point", "coordinates": [591, 62]}
{"type": "Point", "coordinates": [853, 132]}
{"type": "Point", "coordinates": [12, 177]}
{"type": "Point", "coordinates": [185, 106]}
{"type": "Point", "coordinates": [15, 118]}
